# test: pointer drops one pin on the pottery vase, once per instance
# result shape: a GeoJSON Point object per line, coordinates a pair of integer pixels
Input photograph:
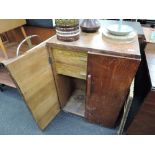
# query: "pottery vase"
{"type": "Point", "coordinates": [90, 25]}
{"type": "Point", "coordinates": [67, 29]}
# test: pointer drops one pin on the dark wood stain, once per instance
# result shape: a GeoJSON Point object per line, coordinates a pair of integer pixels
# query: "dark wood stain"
{"type": "Point", "coordinates": [110, 81]}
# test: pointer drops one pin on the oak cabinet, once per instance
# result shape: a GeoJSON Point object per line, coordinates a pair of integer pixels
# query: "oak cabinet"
{"type": "Point", "coordinates": [89, 77]}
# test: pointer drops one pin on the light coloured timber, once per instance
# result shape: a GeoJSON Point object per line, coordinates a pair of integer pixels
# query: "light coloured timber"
{"type": "Point", "coordinates": [33, 76]}
{"type": "Point", "coordinates": [62, 83]}
{"type": "Point", "coordinates": [3, 48]}
{"type": "Point", "coordinates": [70, 57]}
{"type": "Point", "coordinates": [69, 70]}
{"type": "Point", "coordinates": [25, 35]}
{"type": "Point", "coordinates": [9, 24]}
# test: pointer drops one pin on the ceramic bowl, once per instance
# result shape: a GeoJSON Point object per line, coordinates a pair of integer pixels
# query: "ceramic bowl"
{"type": "Point", "coordinates": [119, 30]}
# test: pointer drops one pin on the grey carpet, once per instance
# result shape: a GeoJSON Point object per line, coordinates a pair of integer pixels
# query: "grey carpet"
{"type": "Point", "coordinates": [16, 119]}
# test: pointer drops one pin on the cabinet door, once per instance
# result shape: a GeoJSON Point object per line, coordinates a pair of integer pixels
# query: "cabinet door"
{"type": "Point", "coordinates": [33, 76]}
{"type": "Point", "coordinates": [108, 82]}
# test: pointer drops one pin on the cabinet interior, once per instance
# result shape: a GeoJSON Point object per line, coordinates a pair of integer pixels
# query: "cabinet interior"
{"type": "Point", "coordinates": [75, 98]}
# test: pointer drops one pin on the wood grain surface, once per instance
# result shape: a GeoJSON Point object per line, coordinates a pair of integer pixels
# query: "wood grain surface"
{"type": "Point", "coordinates": [75, 58]}
{"type": "Point", "coordinates": [33, 75]}
{"type": "Point", "coordinates": [95, 42]}
{"type": "Point", "coordinates": [9, 24]}
{"type": "Point", "coordinates": [70, 63]}
{"type": "Point", "coordinates": [110, 81]}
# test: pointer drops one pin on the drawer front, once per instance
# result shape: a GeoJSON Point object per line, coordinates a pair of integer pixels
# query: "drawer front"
{"type": "Point", "coordinates": [69, 57]}
{"type": "Point", "coordinates": [70, 70]}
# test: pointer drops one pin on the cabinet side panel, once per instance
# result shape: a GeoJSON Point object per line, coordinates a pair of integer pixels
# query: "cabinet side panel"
{"type": "Point", "coordinates": [110, 81]}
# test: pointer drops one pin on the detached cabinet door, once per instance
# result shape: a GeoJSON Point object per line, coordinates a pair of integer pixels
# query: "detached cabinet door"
{"type": "Point", "coordinates": [108, 82]}
{"type": "Point", "coordinates": [33, 76]}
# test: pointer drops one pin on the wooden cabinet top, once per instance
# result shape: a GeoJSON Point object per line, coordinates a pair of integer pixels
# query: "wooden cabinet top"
{"type": "Point", "coordinates": [97, 43]}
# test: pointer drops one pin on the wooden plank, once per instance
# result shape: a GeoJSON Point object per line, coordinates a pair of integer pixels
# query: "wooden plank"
{"type": "Point", "coordinates": [3, 49]}
{"type": "Point", "coordinates": [70, 57]}
{"type": "Point", "coordinates": [25, 35]}
{"type": "Point", "coordinates": [70, 63]}
{"type": "Point", "coordinates": [11, 50]}
{"type": "Point", "coordinates": [42, 32]}
{"type": "Point", "coordinates": [9, 24]}
{"type": "Point", "coordinates": [108, 84]}
{"type": "Point", "coordinates": [62, 83]}
{"type": "Point", "coordinates": [70, 70]}
{"type": "Point", "coordinates": [33, 76]}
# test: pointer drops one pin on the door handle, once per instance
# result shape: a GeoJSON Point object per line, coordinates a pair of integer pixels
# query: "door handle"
{"type": "Point", "coordinates": [88, 85]}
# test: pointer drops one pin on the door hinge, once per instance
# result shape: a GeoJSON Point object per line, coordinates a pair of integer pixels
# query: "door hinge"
{"type": "Point", "coordinates": [50, 60]}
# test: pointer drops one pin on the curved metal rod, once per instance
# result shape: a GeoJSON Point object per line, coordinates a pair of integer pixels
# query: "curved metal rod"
{"type": "Point", "coordinates": [29, 37]}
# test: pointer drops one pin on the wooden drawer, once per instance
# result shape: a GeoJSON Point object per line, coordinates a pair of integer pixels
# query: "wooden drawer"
{"type": "Point", "coordinates": [70, 70]}
{"type": "Point", "coordinates": [76, 58]}
{"type": "Point", "coordinates": [70, 63]}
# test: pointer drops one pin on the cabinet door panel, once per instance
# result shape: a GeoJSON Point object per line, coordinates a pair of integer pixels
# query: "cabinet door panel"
{"type": "Point", "coordinates": [33, 76]}
{"type": "Point", "coordinates": [108, 82]}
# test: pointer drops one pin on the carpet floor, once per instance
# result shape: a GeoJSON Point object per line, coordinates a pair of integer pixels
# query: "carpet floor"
{"type": "Point", "coordinates": [16, 119]}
